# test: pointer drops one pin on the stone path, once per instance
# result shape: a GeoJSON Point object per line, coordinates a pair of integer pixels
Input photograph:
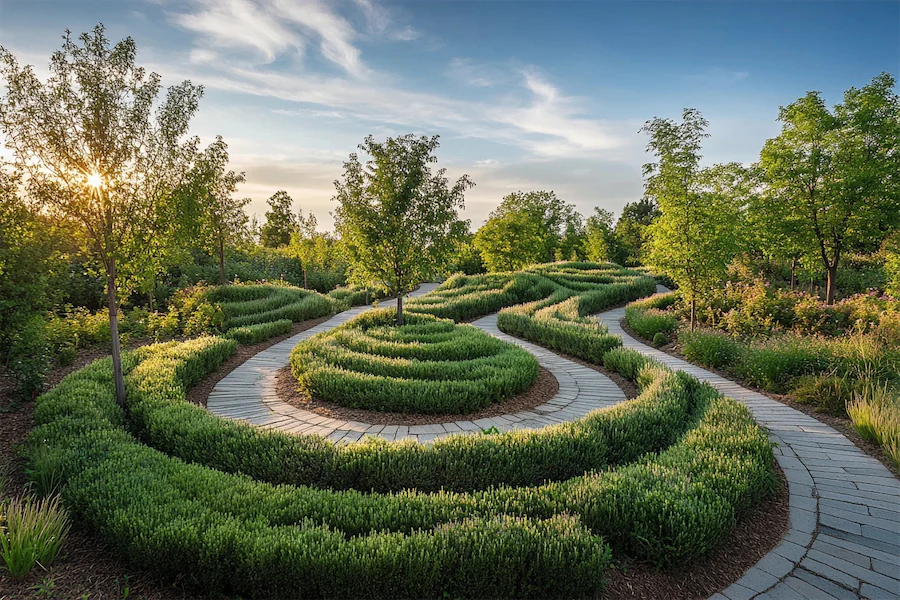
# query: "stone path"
{"type": "Point", "coordinates": [248, 394]}
{"type": "Point", "coordinates": [844, 537]}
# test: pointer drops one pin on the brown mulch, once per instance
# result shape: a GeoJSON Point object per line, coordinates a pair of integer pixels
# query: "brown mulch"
{"type": "Point", "coordinates": [543, 389]}
{"type": "Point", "coordinates": [753, 537]}
{"type": "Point", "coordinates": [842, 424]}
{"type": "Point", "coordinates": [200, 392]}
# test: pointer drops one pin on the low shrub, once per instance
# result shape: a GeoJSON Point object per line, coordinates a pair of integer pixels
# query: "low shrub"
{"type": "Point", "coordinates": [32, 532]}
{"type": "Point", "coordinates": [424, 366]}
{"type": "Point", "coordinates": [253, 334]}
{"type": "Point", "coordinates": [828, 393]}
{"type": "Point", "coordinates": [648, 317]}
{"type": "Point", "coordinates": [660, 339]}
{"type": "Point", "coordinates": [710, 348]}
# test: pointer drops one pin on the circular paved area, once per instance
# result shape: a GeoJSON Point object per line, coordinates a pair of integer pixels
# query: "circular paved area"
{"type": "Point", "coordinates": [844, 537]}
{"type": "Point", "coordinates": [248, 393]}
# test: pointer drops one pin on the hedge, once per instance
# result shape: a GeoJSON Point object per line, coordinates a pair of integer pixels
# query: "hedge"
{"type": "Point", "coordinates": [425, 366]}
{"type": "Point", "coordinates": [253, 334]}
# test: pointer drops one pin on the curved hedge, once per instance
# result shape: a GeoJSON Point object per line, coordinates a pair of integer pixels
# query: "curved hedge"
{"type": "Point", "coordinates": [425, 366]}
{"type": "Point", "coordinates": [661, 478]}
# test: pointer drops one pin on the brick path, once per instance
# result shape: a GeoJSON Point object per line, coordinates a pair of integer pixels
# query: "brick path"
{"type": "Point", "coordinates": [248, 394]}
{"type": "Point", "coordinates": [844, 537]}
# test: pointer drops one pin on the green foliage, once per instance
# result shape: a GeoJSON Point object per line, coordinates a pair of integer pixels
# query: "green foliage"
{"type": "Point", "coordinates": [44, 471]}
{"type": "Point", "coordinates": [828, 393]}
{"type": "Point", "coordinates": [530, 228]}
{"type": "Point", "coordinates": [875, 411]}
{"type": "Point", "coordinates": [280, 221]}
{"type": "Point", "coordinates": [649, 319]}
{"type": "Point", "coordinates": [29, 357]}
{"type": "Point", "coordinates": [668, 508]}
{"type": "Point", "coordinates": [354, 295]}
{"type": "Point", "coordinates": [425, 366]}
{"type": "Point", "coordinates": [829, 173]}
{"type": "Point", "coordinates": [253, 334]}
{"type": "Point", "coordinates": [601, 243]}
{"type": "Point", "coordinates": [32, 533]}
{"type": "Point", "coordinates": [711, 348]}
{"type": "Point", "coordinates": [628, 363]}
{"type": "Point", "coordinates": [660, 339]}
{"type": "Point", "coordinates": [631, 229]}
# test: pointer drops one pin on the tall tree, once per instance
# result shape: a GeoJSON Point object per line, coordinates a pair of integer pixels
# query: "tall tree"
{"type": "Point", "coordinates": [93, 149]}
{"type": "Point", "coordinates": [693, 238]}
{"type": "Point", "coordinates": [211, 213]}
{"type": "Point", "coordinates": [511, 241]}
{"type": "Point", "coordinates": [280, 221]}
{"type": "Point", "coordinates": [529, 228]}
{"type": "Point", "coordinates": [305, 244]}
{"type": "Point", "coordinates": [836, 171]}
{"type": "Point", "coordinates": [631, 228]}
{"type": "Point", "coordinates": [601, 242]}
{"type": "Point", "coordinates": [397, 218]}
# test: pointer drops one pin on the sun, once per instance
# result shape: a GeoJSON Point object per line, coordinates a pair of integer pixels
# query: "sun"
{"type": "Point", "coordinates": [94, 180]}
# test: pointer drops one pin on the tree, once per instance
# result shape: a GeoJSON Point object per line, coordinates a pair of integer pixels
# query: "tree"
{"type": "Point", "coordinates": [210, 212]}
{"type": "Point", "coordinates": [511, 241]}
{"type": "Point", "coordinates": [601, 242]}
{"type": "Point", "coordinates": [529, 228]}
{"type": "Point", "coordinates": [836, 171]}
{"type": "Point", "coordinates": [280, 221]}
{"type": "Point", "coordinates": [93, 150]}
{"type": "Point", "coordinates": [693, 238]}
{"type": "Point", "coordinates": [396, 218]}
{"type": "Point", "coordinates": [631, 228]}
{"type": "Point", "coordinates": [306, 245]}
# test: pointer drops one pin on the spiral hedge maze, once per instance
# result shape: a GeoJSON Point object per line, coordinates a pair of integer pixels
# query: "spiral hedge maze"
{"type": "Point", "coordinates": [230, 508]}
{"type": "Point", "coordinates": [428, 365]}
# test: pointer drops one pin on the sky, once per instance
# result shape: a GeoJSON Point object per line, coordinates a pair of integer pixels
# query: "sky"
{"type": "Point", "coordinates": [525, 95]}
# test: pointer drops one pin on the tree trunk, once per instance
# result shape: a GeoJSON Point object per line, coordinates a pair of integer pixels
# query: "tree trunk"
{"type": "Point", "coordinates": [399, 309]}
{"type": "Point", "coordinates": [150, 299]}
{"type": "Point", "coordinates": [693, 313]}
{"type": "Point", "coordinates": [305, 282]}
{"type": "Point", "coordinates": [831, 283]}
{"type": "Point", "coordinates": [114, 333]}
{"type": "Point", "coordinates": [793, 272]}
{"type": "Point", "coordinates": [221, 261]}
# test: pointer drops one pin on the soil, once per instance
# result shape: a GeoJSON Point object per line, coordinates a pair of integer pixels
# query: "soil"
{"type": "Point", "coordinates": [200, 392]}
{"type": "Point", "coordinates": [842, 424]}
{"type": "Point", "coordinates": [544, 389]}
{"type": "Point", "coordinates": [753, 537]}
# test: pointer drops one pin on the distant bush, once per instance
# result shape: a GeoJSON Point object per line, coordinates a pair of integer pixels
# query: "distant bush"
{"type": "Point", "coordinates": [253, 334]}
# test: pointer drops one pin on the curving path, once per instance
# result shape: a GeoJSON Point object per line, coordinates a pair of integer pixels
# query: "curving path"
{"type": "Point", "coordinates": [248, 393]}
{"type": "Point", "coordinates": [844, 536]}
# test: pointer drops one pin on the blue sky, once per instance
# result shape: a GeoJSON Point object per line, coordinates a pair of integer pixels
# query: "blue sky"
{"type": "Point", "coordinates": [525, 95]}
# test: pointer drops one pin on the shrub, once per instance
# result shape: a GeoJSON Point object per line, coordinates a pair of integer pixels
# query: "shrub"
{"type": "Point", "coordinates": [709, 348]}
{"type": "Point", "coordinates": [44, 471]}
{"type": "Point", "coordinates": [648, 317]}
{"type": "Point", "coordinates": [424, 366]}
{"type": "Point", "coordinates": [31, 533]}
{"type": "Point", "coordinates": [253, 334]}
{"type": "Point", "coordinates": [29, 358]}
{"type": "Point", "coordinates": [660, 339]}
{"type": "Point", "coordinates": [828, 393]}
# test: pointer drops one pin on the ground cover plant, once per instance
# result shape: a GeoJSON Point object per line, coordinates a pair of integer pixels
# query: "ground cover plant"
{"type": "Point", "coordinates": [427, 365]}
{"type": "Point", "coordinates": [269, 514]}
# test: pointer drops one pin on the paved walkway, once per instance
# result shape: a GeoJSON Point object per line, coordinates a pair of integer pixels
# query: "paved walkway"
{"type": "Point", "coordinates": [248, 394]}
{"type": "Point", "coordinates": [844, 537]}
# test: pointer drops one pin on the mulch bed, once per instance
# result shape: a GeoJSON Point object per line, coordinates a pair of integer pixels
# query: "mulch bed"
{"type": "Point", "coordinates": [842, 424]}
{"type": "Point", "coordinates": [544, 388]}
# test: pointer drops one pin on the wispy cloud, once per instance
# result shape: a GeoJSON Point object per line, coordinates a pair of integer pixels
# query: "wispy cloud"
{"type": "Point", "coordinates": [469, 72]}
{"type": "Point", "coordinates": [719, 76]}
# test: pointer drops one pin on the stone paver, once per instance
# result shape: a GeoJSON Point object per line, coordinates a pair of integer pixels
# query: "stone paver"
{"type": "Point", "coordinates": [248, 394]}
{"type": "Point", "coordinates": [844, 536]}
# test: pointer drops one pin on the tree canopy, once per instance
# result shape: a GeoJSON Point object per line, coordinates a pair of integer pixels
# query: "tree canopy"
{"type": "Point", "coordinates": [397, 219]}
{"type": "Point", "coordinates": [280, 221]}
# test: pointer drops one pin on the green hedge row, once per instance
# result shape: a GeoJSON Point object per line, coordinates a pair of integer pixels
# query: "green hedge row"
{"type": "Point", "coordinates": [157, 512]}
{"type": "Point", "coordinates": [668, 508]}
{"type": "Point", "coordinates": [253, 334]}
{"type": "Point", "coordinates": [425, 366]}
